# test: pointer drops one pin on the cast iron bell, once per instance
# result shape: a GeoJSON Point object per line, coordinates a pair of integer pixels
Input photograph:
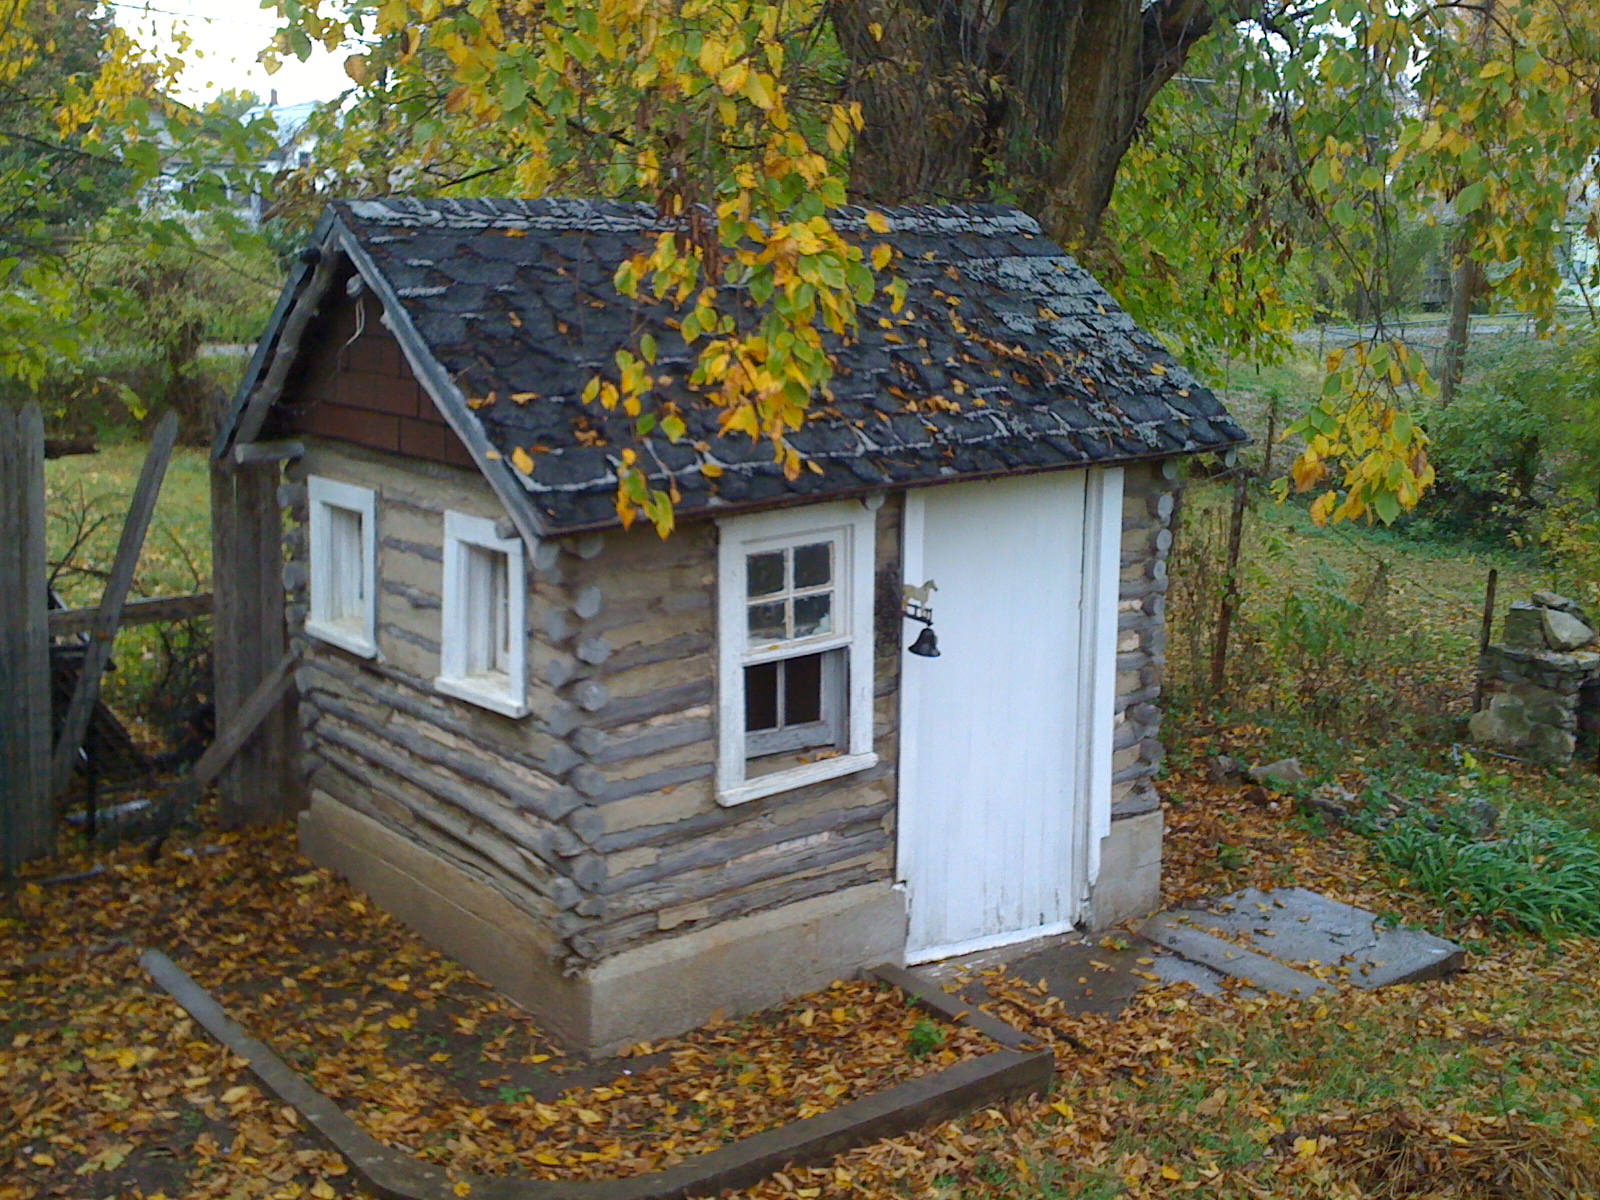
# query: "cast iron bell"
{"type": "Point", "coordinates": [926, 645]}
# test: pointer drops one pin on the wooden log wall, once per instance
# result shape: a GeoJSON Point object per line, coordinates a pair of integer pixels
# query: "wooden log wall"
{"type": "Point", "coordinates": [27, 810]}
{"type": "Point", "coordinates": [262, 783]}
{"type": "Point", "coordinates": [596, 813]}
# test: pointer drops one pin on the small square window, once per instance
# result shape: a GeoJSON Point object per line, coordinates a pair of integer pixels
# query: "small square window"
{"type": "Point", "coordinates": [795, 614]}
{"type": "Point", "coordinates": [343, 551]}
{"type": "Point", "coordinates": [483, 650]}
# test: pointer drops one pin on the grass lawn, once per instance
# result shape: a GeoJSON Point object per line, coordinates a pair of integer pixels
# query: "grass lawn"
{"type": "Point", "coordinates": [88, 497]}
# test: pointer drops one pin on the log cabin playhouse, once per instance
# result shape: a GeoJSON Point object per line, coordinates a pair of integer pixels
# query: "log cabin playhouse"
{"type": "Point", "coordinates": [634, 780]}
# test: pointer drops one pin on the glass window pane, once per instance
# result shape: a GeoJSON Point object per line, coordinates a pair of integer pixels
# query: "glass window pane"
{"type": "Point", "coordinates": [767, 623]}
{"type": "Point", "coordinates": [761, 697]}
{"type": "Point", "coordinates": [813, 565]}
{"type": "Point", "coordinates": [813, 615]}
{"type": "Point", "coordinates": [802, 690]}
{"type": "Point", "coordinates": [764, 574]}
{"type": "Point", "coordinates": [346, 579]}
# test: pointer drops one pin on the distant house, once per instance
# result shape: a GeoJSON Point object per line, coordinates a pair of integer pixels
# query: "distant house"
{"type": "Point", "coordinates": [632, 780]}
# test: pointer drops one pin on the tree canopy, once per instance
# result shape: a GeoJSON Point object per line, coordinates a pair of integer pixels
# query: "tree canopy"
{"type": "Point", "coordinates": [1213, 160]}
{"type": "Point", "coordinates": [95, 151]}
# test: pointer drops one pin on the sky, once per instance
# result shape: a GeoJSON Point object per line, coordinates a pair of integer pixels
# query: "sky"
{"type": "Point", "coordinates": [228, 34]}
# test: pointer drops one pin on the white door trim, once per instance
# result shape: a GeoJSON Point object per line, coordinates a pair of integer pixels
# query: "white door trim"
{"type": "Point", "coordinates": [1097, 609]}
{"type": "Point", "coordinates": [912, 523]}
{"type": "Point", "coordinates": [1102, 589]}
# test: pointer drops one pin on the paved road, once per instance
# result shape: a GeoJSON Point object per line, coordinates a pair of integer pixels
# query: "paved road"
{"type": "Point", "coordinates": [1429, 331]}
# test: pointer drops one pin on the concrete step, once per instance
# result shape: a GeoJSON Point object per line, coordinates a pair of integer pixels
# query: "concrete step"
{"type": "Point", "coordinates": [1295, 928]}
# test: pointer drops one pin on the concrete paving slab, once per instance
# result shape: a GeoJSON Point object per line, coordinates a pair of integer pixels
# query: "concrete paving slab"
{"type": "Point", "coordinates": [1174, 931]}
{"type": "Point", "coordinates": [1302, 928]}
{"type": "Point", "coordinates": [1089, 974]}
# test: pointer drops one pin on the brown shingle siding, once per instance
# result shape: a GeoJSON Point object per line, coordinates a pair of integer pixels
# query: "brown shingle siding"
{"type": "Point", "coordinates": [363, 391]}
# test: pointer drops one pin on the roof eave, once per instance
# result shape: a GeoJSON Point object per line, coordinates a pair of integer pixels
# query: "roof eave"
{"type": "Point", "coordinates": [715, 512]}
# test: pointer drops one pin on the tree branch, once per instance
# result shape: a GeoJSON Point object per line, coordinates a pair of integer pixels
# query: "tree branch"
{"type": "Point", "coordinates": [1171, 28]}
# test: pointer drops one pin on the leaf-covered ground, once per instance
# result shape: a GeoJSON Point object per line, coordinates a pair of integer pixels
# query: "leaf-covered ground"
{"type": "Point", "coordinates": [1485, 1085]}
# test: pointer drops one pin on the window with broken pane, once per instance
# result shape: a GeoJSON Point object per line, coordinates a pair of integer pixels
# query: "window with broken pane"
{"type": "Point", "coordinates": [789, 593]}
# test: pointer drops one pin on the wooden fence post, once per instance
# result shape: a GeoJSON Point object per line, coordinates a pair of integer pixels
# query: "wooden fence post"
{"type": "Point", "coordinates": [27, 805]}
{"type": "Point", "coordinates": [1485, 637]}
{"type": "Point", "coordinates": [250, 639]}
{"type": "Point", "coordinates": [1230, 585]}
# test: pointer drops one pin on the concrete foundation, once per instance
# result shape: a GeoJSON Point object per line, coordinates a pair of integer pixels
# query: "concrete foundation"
{"type": "Point", "coordinates": [1130, 871]}
{"type": "Point", "coordinates": [652, 992]}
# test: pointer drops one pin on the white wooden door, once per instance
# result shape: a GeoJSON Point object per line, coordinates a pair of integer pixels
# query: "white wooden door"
{"type": "Point", "coordinates": [1005, 772]}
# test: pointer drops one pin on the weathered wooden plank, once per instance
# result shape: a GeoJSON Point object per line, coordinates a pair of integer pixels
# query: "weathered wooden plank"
{"type": "Point", "coordinates": [287, 350]}
{"type": "Point", "coordinates": [68, 622]}
{"type": "Point", "coordinates": [260, 704]}
{"type": "Point", "coordinates": [248, 453]}
{"type": "Point", "coordinates": [76, 722]}
{"type": "Point", "coordinates": [262, 783]}
{"type": "Point", "coordinates": [27, 812]}
{"type": "Point", "coordinates": [743, 857]}
{"type": "Point", "coordinates": [847, 869]}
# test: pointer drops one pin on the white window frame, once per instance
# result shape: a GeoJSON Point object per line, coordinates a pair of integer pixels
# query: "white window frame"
{"type": "Point", "coordinates": [506, 694]}
{"type": "Point", "coordinates": [324, 494]}
{"type": "Point", "coordinates": [852, 528]}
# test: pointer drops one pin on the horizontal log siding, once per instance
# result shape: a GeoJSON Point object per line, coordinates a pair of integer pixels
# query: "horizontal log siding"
{"type": "Point", "coordinates": [674, 857]}
{"type": "Point", "coordinates": [1149, 497]}
{"type": "Point", "coordinates": [595, 814]}
{"type": "Point", "coordinates": [482, 791]}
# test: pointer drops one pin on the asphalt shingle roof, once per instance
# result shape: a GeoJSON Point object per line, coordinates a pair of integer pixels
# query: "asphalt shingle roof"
{"type": "Point", "coordinates": [1008, 357]}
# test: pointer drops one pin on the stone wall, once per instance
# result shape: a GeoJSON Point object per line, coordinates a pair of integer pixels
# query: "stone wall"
{"type": "Point", "coordinates": [1541, 686]}
{"type": "Point", "coordinates": [1129, 881]}
{"type": "Point", "coordinates": [1149, 497]}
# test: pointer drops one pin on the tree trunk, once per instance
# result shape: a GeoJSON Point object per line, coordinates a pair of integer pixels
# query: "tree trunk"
{"type": "Point", "coordinates": [1036, 99]}
{"type": "Point", "coordinates": [1466, 281]}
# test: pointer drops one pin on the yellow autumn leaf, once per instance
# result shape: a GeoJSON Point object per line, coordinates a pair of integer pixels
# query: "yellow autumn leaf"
{"type": "Point", "coordinates": [1171, 1173]}
{"type": "Point", "coordinates": [877, 222]}
{"type": "Point", "coordinates": [546, 1158]}
{"type": "Point", "coordinates": [522, 461]}
{"type": "Point", "coordinates": [235, 1094]}
{"type": "Point", "coordinates": [323, 1190]}
{"type": "Point", "coordinates": [881, 255]}
{"type": "Point", "coordinates": [876, 30]}
{"type": "Point", "coordinates": [462, 1188]}
{"type": "Point", "coordinates": [588, 1116]}
{"type": "Point", "coordinates": [126, 1059]}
